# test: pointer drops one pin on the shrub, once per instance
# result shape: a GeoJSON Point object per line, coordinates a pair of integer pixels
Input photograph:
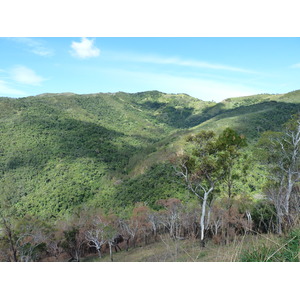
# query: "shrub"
{"type": "Point", "coordinates": [288, 251]}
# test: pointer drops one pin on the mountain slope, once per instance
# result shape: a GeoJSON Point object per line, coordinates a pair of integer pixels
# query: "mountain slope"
{"type": "Point", "coordinates": [60, 151]}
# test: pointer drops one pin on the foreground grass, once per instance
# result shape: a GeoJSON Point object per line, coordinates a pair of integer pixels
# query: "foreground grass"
{"type": "Point", "coordinates": [168, 250]}
{"type": "Point", "coordinates": [287, 250]}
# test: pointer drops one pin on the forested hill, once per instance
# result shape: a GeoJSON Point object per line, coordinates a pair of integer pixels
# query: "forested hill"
{"type": "Point", "coordinates": [61, 151]}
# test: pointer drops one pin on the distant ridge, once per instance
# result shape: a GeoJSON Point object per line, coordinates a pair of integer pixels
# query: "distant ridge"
{"type": "Point", "coordinates": [55, 94]}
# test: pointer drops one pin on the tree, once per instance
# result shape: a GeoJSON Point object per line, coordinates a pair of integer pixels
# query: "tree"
{"type": "Point", "coordinates": [140, 216]}
{"type": "Point", "coordinates": [101, 231]}
{"type": "Point", "coordinates": [229, 144]}
{"type": "Point", "coordinates": [8, 235]}
{"type": "Point", "coordinates": [208, 160]}
{"type": "Point", "coordinates": [24, 239]}
{"type": "Point", "coordinates": [171, 216]}
{"type": "Point", "coordinates": [33, 236]}
{"type": "Point", "coordinates": [281, 153]}
{"type": "Point", "coordinates": [130, 229]}
{"type": "Point", "coordinates": [200, 171]}
{"type": "Point", "coordinates": [96, 234]}
{"type": "Point", "coordinates": [189, 216]}
{"type": "Point", "coordinates": [113, 239]}
{"type": "Point", "coordinates": [72, 235]}
{"type": "Point", "coordinates": [9, 196]}
{"type": "Point", "coordinates": [73, 242]}
{"type": "Point", "coordinates": [155, 221]}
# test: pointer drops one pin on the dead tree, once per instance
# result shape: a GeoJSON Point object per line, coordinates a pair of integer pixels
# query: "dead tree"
{"type": "Point", "coordinates": [114, 242]}
{"type": "Point", "coordinates": [282, 154]}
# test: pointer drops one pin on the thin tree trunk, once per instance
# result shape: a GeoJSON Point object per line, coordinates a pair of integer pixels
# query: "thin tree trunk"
{"type": "Point", "coordinates": [13, 249]}
{"type": "Point", "coordinates": [288, 194]}
{"type": "Point", "coordinates": [110, 252]}
{"type": "Point", "coordinates": [99, 252]}
{"type": "Point", "coordinates": [279, 224]}
{"type": "Point", "coordinates": [77, 256]}
{"type": "Point", "coordinates": [127, 243]}
{"type": "Point", "coordinates": [12, 245]}
{"type": "Point", "coordinates": [202, 220]}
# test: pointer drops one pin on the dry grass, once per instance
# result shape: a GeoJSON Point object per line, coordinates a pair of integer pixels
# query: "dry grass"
{"type": "Point", "coordinates": [168, 250]}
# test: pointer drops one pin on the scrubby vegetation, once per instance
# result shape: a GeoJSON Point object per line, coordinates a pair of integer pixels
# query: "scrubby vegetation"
{"type": "Point", "coordinates": [286, 249]}
{"type": "Point", "coordinates": [79, 171]}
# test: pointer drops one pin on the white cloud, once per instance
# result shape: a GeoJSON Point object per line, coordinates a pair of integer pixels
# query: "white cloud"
{"type": "Point", "coordinates": [84, 49]}
{"type": "Point", "coordinates": [35, 46]}
{"type": "Point", "coordinates": [42, 51]}
{"type": "Point", "coordinates": [191, 63]}
{"type": "Point", "coordinates": [5, 90]}
{"type": "Point", "coordinates": [25, 75]}
{"type": "Point", "coordinates": [155, 59]}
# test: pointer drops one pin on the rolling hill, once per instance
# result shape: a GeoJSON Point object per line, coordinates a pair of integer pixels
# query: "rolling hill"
{"type": "Point", "coordinates": [61, 151]}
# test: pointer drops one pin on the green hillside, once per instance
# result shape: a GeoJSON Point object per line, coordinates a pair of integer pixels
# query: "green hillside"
{"type": "Point", "coordinates": [250, 116]}
{"type": "Point", "coordinates": [60, 151]}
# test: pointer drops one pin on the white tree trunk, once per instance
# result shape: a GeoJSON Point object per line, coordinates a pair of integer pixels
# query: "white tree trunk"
{"type": "Point", "coordinates": [202, 219]}
{"type": "Point", "coordinates": [110, 251]}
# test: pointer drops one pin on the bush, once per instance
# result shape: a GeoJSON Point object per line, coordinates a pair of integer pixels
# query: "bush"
{"type": "Point", "coordinates": [264, 217]}
{"type": "Point", "coordinates": [258, 255]}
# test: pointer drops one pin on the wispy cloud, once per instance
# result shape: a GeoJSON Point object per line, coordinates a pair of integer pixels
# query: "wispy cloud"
{"type": "Point", "coordinates": [204, 89]}
{"type": "Point", "coordinates": [155, 59]}
{"type": "Point", "coordinates": [84, 49]}
{"type": "Point", "coordinates": [5, 89]}
{"type": "Point", "coordinates": [296, 66]}
{"type": "Point", "coordinates": [35, 46]}
{"type": "Point", "coordinates": [24, 75]}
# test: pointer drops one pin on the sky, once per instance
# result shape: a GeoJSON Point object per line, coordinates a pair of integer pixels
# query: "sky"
{"type": "Point", "coordinates": [208, 68]}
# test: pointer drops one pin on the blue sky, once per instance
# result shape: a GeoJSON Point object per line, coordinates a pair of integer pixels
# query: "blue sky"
{"type": "Point", "coordinates": [206, 68]}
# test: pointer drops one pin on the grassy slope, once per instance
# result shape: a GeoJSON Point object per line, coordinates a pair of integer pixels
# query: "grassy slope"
{"type": "Point", "coordinates": [168, 250]}
{"type": "Point", "coordinates": [61, 150]}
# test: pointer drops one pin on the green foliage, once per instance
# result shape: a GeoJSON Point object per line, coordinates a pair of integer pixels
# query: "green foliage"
{"type": "Point", "coordinates": [230, 141]}
{"type": "Point", "coordinates": [60, 151]}
{"type": "Point", "coordinates": [200, 155]}
{"type": "Point", "coordinates": [257, 255]}
{"type": "Point", "coordinates": [229, 144]}
{"type": "Point", "coordinates": [251, 120]}
{"type": "Point", "coordinates": [288, 250]}
{"type": "Point", "coordinates": [70, 238]}
{"type": "Point", "coordinates": [210, 160]}
{"type": "Point", "coordinates": [264, 216]}
{"type": "Point", "coordinates": [156, 183]}
{"type": "Point", "coordinates": [62, 186]}
{"type": "Point", "coordinates": [33, 252]}
{"type": "Point", "coordinates": [23, 239]}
